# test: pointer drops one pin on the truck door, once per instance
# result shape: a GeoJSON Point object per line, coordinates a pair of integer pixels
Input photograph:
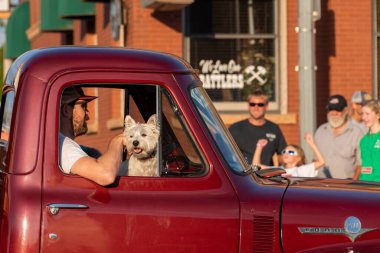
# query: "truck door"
{"type": "Point", "coordinates": [190, 207]}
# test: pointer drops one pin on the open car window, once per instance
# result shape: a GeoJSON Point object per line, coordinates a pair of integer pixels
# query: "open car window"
{"type": "Point", "coordinates": [176, 154]}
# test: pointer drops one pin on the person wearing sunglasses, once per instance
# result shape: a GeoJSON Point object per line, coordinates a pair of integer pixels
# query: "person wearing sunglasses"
{"type": "Point", "coordinates": [75, 159]}
{"type": "Point", "coordinates": [247, 132]}
{"type": "Point", "coordinates": [294, 160]}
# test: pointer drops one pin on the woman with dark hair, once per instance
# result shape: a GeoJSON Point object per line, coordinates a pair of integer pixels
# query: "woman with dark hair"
{"type": "Point", "coordinates": [294, 160]}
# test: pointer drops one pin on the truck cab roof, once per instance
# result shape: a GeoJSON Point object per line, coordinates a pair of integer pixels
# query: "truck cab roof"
{"type": "Point", "coordinates": [43, 63]}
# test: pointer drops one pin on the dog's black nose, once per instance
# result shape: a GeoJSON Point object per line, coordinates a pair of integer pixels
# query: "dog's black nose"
{"type": "Point", "coordinates": [135, 143]}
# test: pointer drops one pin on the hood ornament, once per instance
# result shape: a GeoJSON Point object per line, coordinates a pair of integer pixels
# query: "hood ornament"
{"type": "Point", "coordinates": [352, 229]}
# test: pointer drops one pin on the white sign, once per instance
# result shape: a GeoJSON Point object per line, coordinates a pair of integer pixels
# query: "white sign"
{"type": "Point", "coordinates": [4, 5]}
{"type": "Point", "coordinates": [218, 75]}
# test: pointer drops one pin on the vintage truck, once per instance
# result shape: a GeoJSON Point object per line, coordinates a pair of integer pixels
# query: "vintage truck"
{"type": "Point", "coordinates": [206, 199]}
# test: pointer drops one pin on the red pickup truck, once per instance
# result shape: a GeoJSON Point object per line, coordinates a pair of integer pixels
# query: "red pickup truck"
{"type": "Point", "coordinates": [206, 197]}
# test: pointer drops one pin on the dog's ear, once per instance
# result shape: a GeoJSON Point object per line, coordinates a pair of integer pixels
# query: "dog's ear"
{"type": "Point", "coordinates": [152, 121]}
{"type": "Point", "coordinates": [129, 122]}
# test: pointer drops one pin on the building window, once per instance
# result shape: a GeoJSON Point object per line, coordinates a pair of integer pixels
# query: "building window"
{"type": "Point", "coordinates": [233, 44]}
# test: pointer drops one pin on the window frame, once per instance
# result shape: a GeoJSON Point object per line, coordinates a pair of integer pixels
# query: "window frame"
{"type": "Point", "coordinates": [279, 103]}
{"type": "Point", "coordinates": [130, 107]}
{"type": "Point", "coordinates": [4, 143]}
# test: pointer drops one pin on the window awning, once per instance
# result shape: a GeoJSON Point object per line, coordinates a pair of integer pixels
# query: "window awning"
{"type": "Point", "coordinates": [74, 9]}
{"type": "Point", "coordinates": [50, 19]}
{"type": "Point", "coordinates": [100, 1]}
{"type": "Point", "coordinates": [17, 42]}
{"type": "Point", "coordinates": [166, 5]}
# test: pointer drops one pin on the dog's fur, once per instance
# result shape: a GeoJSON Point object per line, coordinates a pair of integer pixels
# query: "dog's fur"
{"type": "Point", "coordinates": [141, 142]}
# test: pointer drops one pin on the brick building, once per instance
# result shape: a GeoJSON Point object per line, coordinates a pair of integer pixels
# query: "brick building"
{"type": "Point", "coordinates": [237, 45]}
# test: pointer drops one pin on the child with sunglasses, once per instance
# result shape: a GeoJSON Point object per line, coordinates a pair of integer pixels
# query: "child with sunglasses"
{"type": "Point", "coordinates": [294, 160]}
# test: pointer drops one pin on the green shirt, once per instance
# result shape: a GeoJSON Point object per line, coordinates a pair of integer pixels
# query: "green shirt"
{"type": "Point", "coordinates": [370, 153]}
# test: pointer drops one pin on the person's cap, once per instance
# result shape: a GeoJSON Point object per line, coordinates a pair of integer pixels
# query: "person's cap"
{"type": "Point", "coordinates": [75, 93]}
{"type": "Point", "coordinates": [360, 97]}
{"type": "Point", "coordinates": [337, 103]}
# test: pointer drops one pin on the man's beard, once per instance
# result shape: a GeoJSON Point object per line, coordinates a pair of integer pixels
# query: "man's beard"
{"type": "Point", "coordinates": [336, 122]}
{"type": "Point", "coordinates": [80, 128]}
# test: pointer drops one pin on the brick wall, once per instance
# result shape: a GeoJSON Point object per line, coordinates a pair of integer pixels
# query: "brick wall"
{"type": "Point", "coordinates": [344, 50]}
{"type": "Point", "coordinates": [145, 29]}
{"type": "Point", "coordinates": [161, 31]}
{"type": "Point", "coordinates": [103, 26]}
{"type": "Point", "coordinates": [291, 131]}
{"type": "Point", "coordinates": [343, 46]}
{"type": "Point", "coordinates": [50, 39]}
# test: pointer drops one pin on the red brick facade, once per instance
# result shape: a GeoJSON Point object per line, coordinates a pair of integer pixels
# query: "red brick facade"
{"type": "Point", "coordinates": [343, 48]}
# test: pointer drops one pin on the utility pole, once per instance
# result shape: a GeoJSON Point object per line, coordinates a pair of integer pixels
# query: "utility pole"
{"type": "Point", "coordinates": [308, 12]}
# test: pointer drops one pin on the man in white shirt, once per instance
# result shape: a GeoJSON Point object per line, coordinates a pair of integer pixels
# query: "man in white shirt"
{"type": "Point", "coordinates": [72, 159]}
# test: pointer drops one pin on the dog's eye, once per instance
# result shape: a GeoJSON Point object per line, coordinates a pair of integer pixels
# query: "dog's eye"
{"type": "Point", "coordinates": [130, 136]}
{"type": "Point", "coordinates": [143, 135]}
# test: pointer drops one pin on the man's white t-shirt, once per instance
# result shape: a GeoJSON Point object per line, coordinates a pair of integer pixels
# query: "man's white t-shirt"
{"type": "Point", "coordinates": [306, 170]}
{"type": "Point", "coordinates": [70, 152]}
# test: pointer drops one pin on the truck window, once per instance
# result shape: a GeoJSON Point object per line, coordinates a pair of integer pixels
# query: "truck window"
{"type": "Point", "coordinates": [218, 131]}
{"type": "Point", "coordinates": [177, 153]}
{"type": "Point", "coordinates": [181, 157]}
{"type": "Point", "coordinates": [7, 103]}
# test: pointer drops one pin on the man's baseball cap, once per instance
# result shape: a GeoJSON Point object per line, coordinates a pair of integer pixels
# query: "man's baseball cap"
{"type": "Point", "coordinates": [360, 97]}
{"type": "Point", "coordinates": [74, 93]}
{"type": "Point", "coordinates": [336, 103]}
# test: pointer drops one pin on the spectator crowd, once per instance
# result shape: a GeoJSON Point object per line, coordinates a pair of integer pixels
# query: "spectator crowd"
{"type": "Point", "coordinates": [347, 146]}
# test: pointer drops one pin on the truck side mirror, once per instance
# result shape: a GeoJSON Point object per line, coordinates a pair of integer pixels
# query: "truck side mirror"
{"type": "Point", "coordinates": [271, 172]}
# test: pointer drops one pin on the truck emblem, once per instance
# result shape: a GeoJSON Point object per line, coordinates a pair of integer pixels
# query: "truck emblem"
{"type": "Point", "coordinates": [352, 229]}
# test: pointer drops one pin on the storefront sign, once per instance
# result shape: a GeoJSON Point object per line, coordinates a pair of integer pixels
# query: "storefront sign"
{"type": "Point", "coordinates": [218, 75]}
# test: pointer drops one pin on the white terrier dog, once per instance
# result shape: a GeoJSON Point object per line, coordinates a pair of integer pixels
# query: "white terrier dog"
{"type": "Point", "coordinates": [141, 142]}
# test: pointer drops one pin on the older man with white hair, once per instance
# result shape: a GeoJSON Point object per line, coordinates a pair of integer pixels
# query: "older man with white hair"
{"type": "Point", "coordinates": [338, 140]}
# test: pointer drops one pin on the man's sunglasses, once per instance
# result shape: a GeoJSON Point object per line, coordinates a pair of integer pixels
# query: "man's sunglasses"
{"type": "Point", "coordinates": [257, 104]}
{"type": "Point", "coordinates": [289, 152]}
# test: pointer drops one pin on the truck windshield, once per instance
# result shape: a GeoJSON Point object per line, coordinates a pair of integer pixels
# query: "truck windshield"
{"type": "Point", "coordinates": [218, 130]}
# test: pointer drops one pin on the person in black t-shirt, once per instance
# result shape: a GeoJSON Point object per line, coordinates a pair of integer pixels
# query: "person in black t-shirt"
{"type": "Point", "coordinates": [247, 132]}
